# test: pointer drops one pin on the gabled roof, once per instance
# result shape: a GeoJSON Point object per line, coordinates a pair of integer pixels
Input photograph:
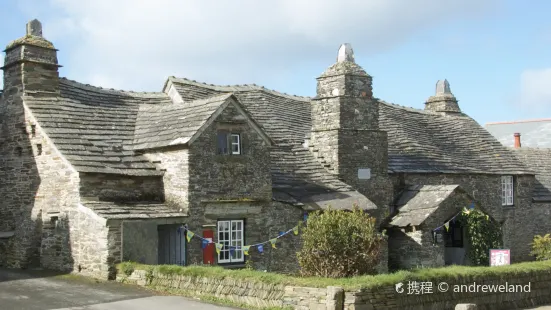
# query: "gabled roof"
{"type": "Point", "coordinates": [94, 127]}
{"type": "Point", "coordinates": [180, 123]}
{"type": "Point", "coordinates": [427, 142]}
{"type": "Point", "coordinates": [533, 133]}
{"type": "Point", "coordinates": [538, 160]}
{"type": "Point", "coordinates": [297, 176]}
{"type": "Point", "coordinates": [417, 202]}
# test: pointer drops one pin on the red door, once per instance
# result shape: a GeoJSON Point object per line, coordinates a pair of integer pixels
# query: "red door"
{"type": "Point", "coordinates": [208, 252]}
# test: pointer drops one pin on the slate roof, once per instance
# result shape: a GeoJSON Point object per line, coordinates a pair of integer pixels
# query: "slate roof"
{"type": "Point", "coordinates": [425, 142]}
{"type": "Point", "coordinates": [170, 124]}
{"type": "Point", "coordinates": [297, 176]}
{"type": "Point", "coordinates": [538, 160]}
{"type": "Point", "coordinates": [128, 211]}
{"type": "Point", "coordinates": [533, 133]}
{"type": "Point", "coordinates": [416, 203]}
{"type": "Point", "coordinates": [94, 127]}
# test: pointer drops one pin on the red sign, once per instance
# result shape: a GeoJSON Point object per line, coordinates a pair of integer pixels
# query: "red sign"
{"type": "Point", "coordinates": [500, 257]}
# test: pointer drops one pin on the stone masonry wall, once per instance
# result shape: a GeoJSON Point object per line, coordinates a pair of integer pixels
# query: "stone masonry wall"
{"type": "Point", "coordinates": [486, 190]}
{"type": "Point", "coordinates": [227, 178]}
{"type": "Point", "coordinates": [532, 290]}
{"type": "Point", "coordinates": [262, 221]}
{"type": "Point", "coordinates": [107, 187]}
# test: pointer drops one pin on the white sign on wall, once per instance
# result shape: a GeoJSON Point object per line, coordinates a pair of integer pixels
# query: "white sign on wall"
{"type": "Point", "coordinates": [364, 173]}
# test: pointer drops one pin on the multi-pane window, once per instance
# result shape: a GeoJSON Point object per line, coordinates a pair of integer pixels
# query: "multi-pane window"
{"type": "Point", "coordinates": [507, 190]}
{"type": "Point", "coordinates": [229, 143]}
{"type": "Point", "coordinates": [230, 234]}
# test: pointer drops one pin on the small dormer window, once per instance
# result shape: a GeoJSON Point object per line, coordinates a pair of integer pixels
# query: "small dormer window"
{"type": "Point", "coordinates": [507, 192]}
{"type": "Point", "coordinates": [229, 143]}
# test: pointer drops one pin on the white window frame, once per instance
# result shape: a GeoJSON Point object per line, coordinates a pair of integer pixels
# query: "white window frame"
{"type": "Point", "coordinates": [238, 143]}
{"type": "Point", "coordinates": [235, 239]}
{"type": "Point", "coordinates": [507, 190]}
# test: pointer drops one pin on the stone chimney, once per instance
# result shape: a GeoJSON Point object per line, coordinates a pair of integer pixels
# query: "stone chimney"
{"type": "Point", "coordinates": [345, 134]}
{"type": "Point", "coordinates": [30, 66]}
{"type": "Point", "coordinates": [443, 100]}
{"type": "Point", "coordinates": [517, 140]}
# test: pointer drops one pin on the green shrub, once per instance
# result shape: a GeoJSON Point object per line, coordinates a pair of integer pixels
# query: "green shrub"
{"type": "Point", "coordinates": [127, 268]}
{"type": "Point", "coordinates": [541, 247]}
{"type": "Point", "coordinates": [340, 244]}
{"type": "Point", "coordinates": [483, 234]}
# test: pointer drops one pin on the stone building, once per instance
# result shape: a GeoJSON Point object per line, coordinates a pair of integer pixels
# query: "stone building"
{"type": "Point", "coordinates": [91, 176]}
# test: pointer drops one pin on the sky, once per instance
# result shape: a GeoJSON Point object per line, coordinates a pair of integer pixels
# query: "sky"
{"type": "Point", "coordinates": [496, 54]}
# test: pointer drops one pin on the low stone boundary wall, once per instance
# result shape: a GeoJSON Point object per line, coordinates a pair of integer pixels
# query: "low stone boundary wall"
{"type": "Point", "coordinates": [535, 289]}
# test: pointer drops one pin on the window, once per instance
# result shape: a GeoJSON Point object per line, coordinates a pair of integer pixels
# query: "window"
{"type": "Point", "coordinates": [454, 235]}
{"type": "Point", "coordinates": [507, 190]}
{"type": "Point", "coordinates": [228, 143]}
{"type": "Point", "coordinates": [230, 234]}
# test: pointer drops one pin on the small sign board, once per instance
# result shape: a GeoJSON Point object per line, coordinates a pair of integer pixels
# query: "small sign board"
{"type": "Point", "coordinates": [364, 173]}
{"type": "Point", "coordinates": [500, 257]}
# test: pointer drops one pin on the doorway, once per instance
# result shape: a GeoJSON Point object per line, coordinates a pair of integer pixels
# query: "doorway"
{"type": "Point", "coordinates": [172, 245]}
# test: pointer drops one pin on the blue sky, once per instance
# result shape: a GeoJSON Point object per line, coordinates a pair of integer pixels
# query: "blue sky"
{"type": "Point", "coordinates": [496, 54]}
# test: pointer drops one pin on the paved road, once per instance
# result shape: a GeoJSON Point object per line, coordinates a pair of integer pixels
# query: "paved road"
{"type": "Point", "coordinates": [41, 290]}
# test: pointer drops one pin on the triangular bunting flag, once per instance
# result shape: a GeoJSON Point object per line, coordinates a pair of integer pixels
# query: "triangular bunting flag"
{"type": "Point", "coordinates": [447, 225]}
{"type": "Point", "coordinates": [295, 230]}
{"type": "Point", "coordinates": [273, 242]}
{"type": "Point", "coordinates": [232, 250]}
{"type": "Point", "coordinates": [179, 230]}
{"type": "Point", "coordinates": [281, 233]}
{"type": "Point", "coordinates": [204, 243]}
{"type": "Point", "coordinates": [219, 247]}
{"type": "Point", "coordinates": [471, 206]}
{"type": "Point", "coordinates": [189, 235]}
{"type": "Point", "coordinates": [260, 248]}
{"type": "Point", "coordinates": [246, 250]}
{"type": "Point", "coordinates": [487, 217]}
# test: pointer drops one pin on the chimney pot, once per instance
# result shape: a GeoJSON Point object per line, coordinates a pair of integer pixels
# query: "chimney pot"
{"type": "Point", "coordinates": [517, 140]}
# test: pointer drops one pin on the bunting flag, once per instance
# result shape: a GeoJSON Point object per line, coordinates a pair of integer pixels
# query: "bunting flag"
{"type": "Point", "coordinates": [219, 247]}
{"type": "Point", "coordinates": [471, 206]}
{"type": "Point", "coordinates": [189, 235]}
{"type": "Point", "coordinates": [260, 248]}
{"type": "Point", "coordinates": [295, 230]}
{"type": "Point", "coordinates": [447, 225]}
{"type": "Point", "coordinates": [204, 243]}
{"type": "Point", "coordinates": [246, 249]}
{"type": "Point", "coordinates": [281, 233]}
{"type": "Point", "coordinates": [232, 250]}
{"type": "Point", "coordinates": [487, 217]}
{"type": "Point", "coordinates": [273, 242]}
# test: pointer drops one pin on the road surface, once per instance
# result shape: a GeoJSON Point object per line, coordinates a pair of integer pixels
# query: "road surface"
{"type": "Point", "coordinates": [41, 290]}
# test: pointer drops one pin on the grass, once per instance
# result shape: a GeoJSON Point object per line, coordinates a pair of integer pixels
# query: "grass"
{"type": "Point", "coordinates": [354, 283]}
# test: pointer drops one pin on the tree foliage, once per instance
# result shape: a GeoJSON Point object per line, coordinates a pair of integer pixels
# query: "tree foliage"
{"type": "Point", "coordinates": [483, 234]}
{"type": "Point", "coordinates": [541, 247]}
{"type": "Point", "coordinates": [340, 244]}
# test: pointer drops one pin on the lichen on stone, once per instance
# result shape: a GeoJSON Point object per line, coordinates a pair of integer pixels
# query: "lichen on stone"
{"type": "Point", "coordinates": [344, 67]}
{"type": "Point", "coordinates": [31, 40]}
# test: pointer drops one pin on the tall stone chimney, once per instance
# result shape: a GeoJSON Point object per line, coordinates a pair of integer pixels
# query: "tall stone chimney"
{"type": "Point", "coordinates": [345, 133]}
{"type": "Point", "coordinates": [443, 100]}
{"type": "Point", "coordinates": [30, 66]}
{"type": "Point", "coordinates": [517, 140]}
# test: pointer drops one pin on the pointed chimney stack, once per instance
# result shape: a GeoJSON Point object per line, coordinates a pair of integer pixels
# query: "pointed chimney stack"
{"type": "Point", "coordinates": [517, 140]}
{"type": "Point", "coordinates": [443, 100]}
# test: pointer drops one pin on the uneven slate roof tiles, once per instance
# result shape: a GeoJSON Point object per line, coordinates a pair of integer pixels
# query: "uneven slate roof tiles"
{"type": "Point", "coordinates": [94, 127]}
{"type": "Point", "coordinates": [169, 124]}
{"type": "Point", "coordinates": [425, 142]}
{"type": "Point", "coordinates": [538, 160]}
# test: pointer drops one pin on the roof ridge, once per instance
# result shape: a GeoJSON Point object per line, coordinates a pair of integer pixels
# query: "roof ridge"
{"type": "Point", "coordinates": [519, 122]}
{"type": "Point", "coordinates": [108, 90]}
{"type": "Point", "coordinates": [238, 88]}
{"type": "Point", "coordinates": [410, 109]}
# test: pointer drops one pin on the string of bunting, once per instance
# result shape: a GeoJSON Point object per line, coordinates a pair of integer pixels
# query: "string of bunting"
{"type": "Point", "coordinates": [464, 211]}
{"type": "Point", "coordinates": [246, 248]}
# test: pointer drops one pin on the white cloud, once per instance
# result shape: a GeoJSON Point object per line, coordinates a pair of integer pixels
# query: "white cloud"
{"type": "Point", "coordinates": [536, 89]}
{"type": "Point", "coordinates": [136, 44]}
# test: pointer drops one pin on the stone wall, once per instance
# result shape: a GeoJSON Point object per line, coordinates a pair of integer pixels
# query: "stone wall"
{"type": "Point", "coordinates": [486, 190]}
{"type": "Point", "coordinates": [533, 290]}
{"type": "Point", "coordinates": [107, 187]}
{"type": "Point", "coordinates": [174, 162]}
{"type": "Point", "coordinates": [140, 242]}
